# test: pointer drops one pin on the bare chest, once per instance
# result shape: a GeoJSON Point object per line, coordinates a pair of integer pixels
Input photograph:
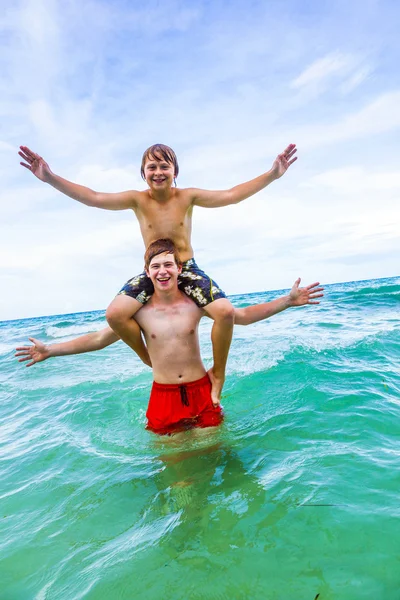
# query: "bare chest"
{"type": "Point", "coordinates": [175, 212]}
{"type": "Point", "coordinates": [166, 325]}
{"type": "Point", "coordinates": [170, 219]}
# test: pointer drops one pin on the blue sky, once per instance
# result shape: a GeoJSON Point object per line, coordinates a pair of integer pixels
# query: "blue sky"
{"type": "Point", "coordinates": [89, 85]}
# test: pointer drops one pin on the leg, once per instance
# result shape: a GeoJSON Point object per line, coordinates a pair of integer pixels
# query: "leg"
{"type": "Point", "coordinates": [120, 315]}
{"type": "Point", "coordinates": [223, 314]}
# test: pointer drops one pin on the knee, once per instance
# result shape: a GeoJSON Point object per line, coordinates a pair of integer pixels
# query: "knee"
{"type": "Point", "coordinates": [115, 317]}
{"type": "Point", "coordinates": [226, 313]}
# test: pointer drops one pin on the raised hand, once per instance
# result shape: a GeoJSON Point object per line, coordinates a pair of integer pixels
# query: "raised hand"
{"type": "Point", "coordinates": [34, 163]}
{"type": "Point", "coordinates": [299, 296]}
{"type": "Point", "coordinates": [35, 353]}
{"type": "Point", "coordinates": [284, 160]}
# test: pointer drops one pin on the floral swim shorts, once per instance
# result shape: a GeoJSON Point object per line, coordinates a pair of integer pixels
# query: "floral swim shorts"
{"type": "Point", "coordinates": [192, 281]}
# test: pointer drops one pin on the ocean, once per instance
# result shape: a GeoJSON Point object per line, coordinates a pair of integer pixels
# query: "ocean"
{"type": "Point", "coordinates": [295, 497]}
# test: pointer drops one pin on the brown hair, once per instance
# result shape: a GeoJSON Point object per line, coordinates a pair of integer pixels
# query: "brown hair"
{"type": "Point", "coordinates": [160, 247]}
{"type": "Point", "coordinates": [160, 152]}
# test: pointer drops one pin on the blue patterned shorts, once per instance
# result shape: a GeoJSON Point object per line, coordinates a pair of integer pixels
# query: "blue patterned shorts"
{"type": "Point", "coordinates": [192, 281]}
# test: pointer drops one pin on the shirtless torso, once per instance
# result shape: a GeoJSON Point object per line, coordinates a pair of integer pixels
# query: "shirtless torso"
{"type": "Point", "coordinates": [166, 218]}
{"type": "Point", "coordinates": [171, 333]}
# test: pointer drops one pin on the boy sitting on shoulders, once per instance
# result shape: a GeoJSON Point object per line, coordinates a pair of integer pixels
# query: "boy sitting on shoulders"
{"type": "Point", "coordinates": [165, 211]}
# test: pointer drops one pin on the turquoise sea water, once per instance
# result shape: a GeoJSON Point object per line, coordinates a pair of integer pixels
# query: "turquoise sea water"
{"type": "Point", "coordinates": [297, 494]}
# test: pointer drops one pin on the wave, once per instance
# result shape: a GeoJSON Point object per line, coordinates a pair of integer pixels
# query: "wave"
{"type": "Point", "coordinates": [306, 349]}
{"type": "Point", "coordinates": [6, 348]}
{"type": "Point", "coordinates": [351, 339]}
{"type": "Point", "coordinates": [55, 331]}
{"type": "Point", "coordinates": [372, 292]}
{"type": "Point", "coordinates": [65, 323]}
{"type": "Point", "coordinates": [379, 289]}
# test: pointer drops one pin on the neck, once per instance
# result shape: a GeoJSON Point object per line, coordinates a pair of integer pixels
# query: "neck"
{"type": "Point", "coordinates": [161, 195]}
{"type": "Point", "coordinates": [165, 298]}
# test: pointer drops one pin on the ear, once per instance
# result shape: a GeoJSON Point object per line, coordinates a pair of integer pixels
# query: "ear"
{"type": "Point", "coordinates": [179, 269]}
{"type": "Point", "coordinates": [147, 272]}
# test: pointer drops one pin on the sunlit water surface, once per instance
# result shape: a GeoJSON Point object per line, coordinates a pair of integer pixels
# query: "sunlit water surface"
{"type": "Point", "coordinates": [297, 494]}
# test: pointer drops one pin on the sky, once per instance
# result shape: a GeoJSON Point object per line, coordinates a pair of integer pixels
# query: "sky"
{"type": "Point", "coordinates": [228, 85]}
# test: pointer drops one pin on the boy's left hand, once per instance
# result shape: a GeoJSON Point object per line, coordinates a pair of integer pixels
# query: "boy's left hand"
{"type": "Point", "coordinates": [284, 160]}
{"type": "Point", "coordinates": [299, 296]}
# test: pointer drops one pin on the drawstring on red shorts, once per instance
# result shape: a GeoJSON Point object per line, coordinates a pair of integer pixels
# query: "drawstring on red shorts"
{"type": "Point", "coordinates": [184, 398]}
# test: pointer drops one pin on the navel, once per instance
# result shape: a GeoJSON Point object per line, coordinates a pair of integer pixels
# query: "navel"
{"type": "Point", "coordinates": [153, 335]}
{"type": "Point", "coordinates": [192, 331]}
{"type": "Point", "coordinates": [180, 376]}
{"type": "Point", "coordinates": [181, 224]}
{"type": "Point", "coordinates": [150, 227]}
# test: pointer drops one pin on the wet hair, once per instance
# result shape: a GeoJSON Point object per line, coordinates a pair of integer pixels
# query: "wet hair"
{"type": "Point", "coordinates": [160, 152]}
{"type": "Point", "coordinates": [164, 245]}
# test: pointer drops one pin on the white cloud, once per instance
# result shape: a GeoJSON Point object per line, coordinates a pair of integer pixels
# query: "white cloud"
{"type": "Point", "coordinates": [355, 179]}
{"type": "Point", "coordinates": [335, 75]}
{"type": "Point", "coordinates": [379, 116]}
{"type": "Point", "coordinates": [323, 68]}
{"type": "Point", "coordinates": [356, 79]}
{"type": "Point", "coordinates": [91, 99]}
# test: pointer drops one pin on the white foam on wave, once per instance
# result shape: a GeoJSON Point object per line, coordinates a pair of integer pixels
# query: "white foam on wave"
{"type": "Point", "coordinates": [258, 349]}
{"type": "Point", "coordinates": [258, 364]}
{"type": "Point", "coordinates": [73, 330]}
{"type": "Point", "coordinates": [6, 348]}
{"type": "Point", "coordinates": [345, 338]}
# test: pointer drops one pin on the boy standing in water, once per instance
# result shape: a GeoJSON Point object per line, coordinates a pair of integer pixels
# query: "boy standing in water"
{"type": "Point", "coordinates": [165, 211]}
{"type": "Point", "coordinates": [181, 392]}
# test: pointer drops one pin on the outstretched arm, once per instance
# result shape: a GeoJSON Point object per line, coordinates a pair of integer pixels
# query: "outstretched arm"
{"type": "Point", "coordinates": [216, 199]}
{"type": "Point", "coordinates": [39, 167]}
{"type": "Point", "coordinates": [86, 343]}
{"type": "Point", "coordinates": [297, 297]}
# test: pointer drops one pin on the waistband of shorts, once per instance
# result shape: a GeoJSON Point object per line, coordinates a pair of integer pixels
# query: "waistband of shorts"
{"type": "Point", "coordinates": [177, 386]}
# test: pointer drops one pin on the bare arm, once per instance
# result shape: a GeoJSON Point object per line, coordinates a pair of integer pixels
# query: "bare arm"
{"type": "Point", "coordinates": [216, 199]}
{"type": "Point", "coordinates": [297, 297]}
{"type": "Point", "coordinates": [39, 167]}
{"type": "Point", "coordinates": [86, 343]}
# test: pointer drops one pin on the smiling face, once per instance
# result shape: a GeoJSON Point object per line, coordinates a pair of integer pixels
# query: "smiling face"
{"type": "Point", "coordinates": [163, 272]}
{"type": "Point", "coordinates": [159, 174]}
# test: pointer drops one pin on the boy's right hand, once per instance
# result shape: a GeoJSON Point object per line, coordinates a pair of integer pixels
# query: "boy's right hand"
{"type": "Point", "coordinates": [34, 163]}
{"type": "Point", "coordinates": [35, 353]}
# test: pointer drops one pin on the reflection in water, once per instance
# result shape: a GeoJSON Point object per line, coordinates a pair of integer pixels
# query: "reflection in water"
{"type": "Point", "coordinates": [224, 510]}
{"type": "Point", "coordinates": [210, 487]}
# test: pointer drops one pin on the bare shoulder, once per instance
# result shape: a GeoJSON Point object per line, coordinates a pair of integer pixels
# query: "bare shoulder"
{"type": "Point", "coordinates": [207, 198]}
{"type": "Point", "coordinates": [184, 195]}
{"type": "Point", "coordinates": [190, 194]}
{"type": "Point", "coordinates": [141, 198]}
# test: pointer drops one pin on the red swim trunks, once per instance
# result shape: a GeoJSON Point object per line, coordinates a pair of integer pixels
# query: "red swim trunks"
{"type": "Point", "coordinates": [174, 407]}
